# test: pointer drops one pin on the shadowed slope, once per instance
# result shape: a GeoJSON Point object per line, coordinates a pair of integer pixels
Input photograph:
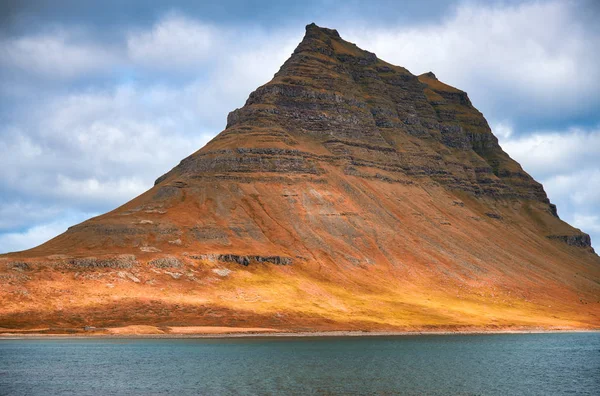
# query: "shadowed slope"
{"type": "Point", "coordinates": [346, 193]}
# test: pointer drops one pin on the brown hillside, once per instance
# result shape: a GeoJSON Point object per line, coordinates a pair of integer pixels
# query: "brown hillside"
{"type": "Point", "coordinates": [346, 194]}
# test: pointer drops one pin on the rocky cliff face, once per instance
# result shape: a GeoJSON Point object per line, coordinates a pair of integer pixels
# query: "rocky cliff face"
{"type": "Point", "coordinates": [364, 116]}
{"type": "Point", "coordinates": [347, 192]}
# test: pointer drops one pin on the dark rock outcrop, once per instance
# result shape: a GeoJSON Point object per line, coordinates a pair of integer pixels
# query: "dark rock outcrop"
{"type": "Point", "coordinates": [246, 260]}
{"type": "Point", "coordinates": [578, 240]}
{"type": "Point", "coordinates": [166, 262]}
{"type": "Point", "coordinates": [121, 261]}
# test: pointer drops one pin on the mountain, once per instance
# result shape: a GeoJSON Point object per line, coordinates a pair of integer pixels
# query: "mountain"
{"type": "Point", "coordinates": [346, 194]}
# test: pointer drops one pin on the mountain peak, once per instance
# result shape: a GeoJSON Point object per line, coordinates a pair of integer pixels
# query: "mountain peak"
{"type": "Point", "coordinates": [328, 42]}
{"type": "Point", "coordinates": [313, 29]}
{"type": "Point", "coordinates": [429, 75]}
{"type": "Point", "coordinates": [346, 193]}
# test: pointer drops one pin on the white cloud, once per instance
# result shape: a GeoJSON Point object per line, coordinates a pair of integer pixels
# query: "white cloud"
{"type": "Point", "coordinates": [581, 187]}
{"type": "Point", "coordinates": [532, 58]}
{"type": "Point", "coordinates": [177, 42]}
{"type": "Point", "coordinates": [502, 130]}
{"type": "Point", "coordinates": [91, 189]}
{"type": "Point", "coordinates": [590, 223]}
{"type": "Point", "coordinates": [174, 41]}
{"type": "Point", "coordinates": [38, 234]}
{"type": "Point", "coordinates": [567, 163]}
{"type": "Point", "coordinates": [546, 153]}
{"type": "Point", "coordinates": [99, 147]}
{"type": "Point", "coordinates": [92, 148]}
{"type": "Point", "coordinates": [57, 54]}
{"type": "Point", "coordinates": [16, 215]}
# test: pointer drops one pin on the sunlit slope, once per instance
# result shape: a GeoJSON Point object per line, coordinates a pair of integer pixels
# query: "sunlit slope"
{"type": "Point", "coordinates": [346, 194]}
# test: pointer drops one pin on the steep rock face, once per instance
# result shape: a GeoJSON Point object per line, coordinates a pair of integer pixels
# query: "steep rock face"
{"type": "Point", "coordinates": [357, 195]}
{"type": "Point", "coordinates": [363, 116]}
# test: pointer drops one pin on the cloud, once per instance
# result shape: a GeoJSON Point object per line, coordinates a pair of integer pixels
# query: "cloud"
{"type": "Point", "coordinates": [590, 223]}
{"type": "Point", "coordinates": [174, 41]}
{"type": "Point", "coordinates": [98, 148]}
{"type": "Point", "coordinates": [528, 61]}
{"type": "Point", "coordinates": [38, 234]}
{"type": "Point", "coordinates": [548, 153]}
{"type": "Point", "coordinates": [91, 189]}
{"type": "Point", "coordinates": [91, 147]}
{"type": "Point", "coordinates": [503, 130]}
{"type": "Point", "coordinates": [15, 215]}
{"type": "Point", "coordinates": [567, 163]}
{"type": "Point", "coordinates": [580, 187]}
{"type": "Point", "coordinates": [56, 54]}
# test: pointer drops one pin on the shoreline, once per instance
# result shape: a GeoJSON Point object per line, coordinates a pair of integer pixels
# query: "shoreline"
{"type": "Point", "coordinates": [284, 334]}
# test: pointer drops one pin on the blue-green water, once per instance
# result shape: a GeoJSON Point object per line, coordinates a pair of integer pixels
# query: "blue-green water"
{"type": "Point", "coordinates": [511, 364]}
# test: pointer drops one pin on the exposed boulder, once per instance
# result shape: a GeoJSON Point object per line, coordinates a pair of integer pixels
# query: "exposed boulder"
{"type": "Point", "coordinates": [246, 260]}
{"type": "Point", "coordinates": [121, 261]}
{"type": "Point", "coordinates": [578, 240]}
{"type": "Point", "coordinates": [166, 262]}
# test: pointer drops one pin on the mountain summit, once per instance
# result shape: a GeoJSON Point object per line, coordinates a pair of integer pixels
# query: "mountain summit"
{"type": "Point", "coordinates": [347, 193]}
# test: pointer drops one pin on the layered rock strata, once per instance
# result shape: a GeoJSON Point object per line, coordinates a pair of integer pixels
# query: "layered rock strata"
{"type": "Point", "coordinates": [346, 193]}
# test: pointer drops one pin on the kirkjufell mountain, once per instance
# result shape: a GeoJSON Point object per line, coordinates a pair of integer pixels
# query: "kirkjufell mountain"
{"type": "Point", "coordinates": [346, 194]}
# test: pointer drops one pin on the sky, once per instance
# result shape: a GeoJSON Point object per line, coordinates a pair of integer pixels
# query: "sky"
{"type": "Point", "coordinates": [98, 99]}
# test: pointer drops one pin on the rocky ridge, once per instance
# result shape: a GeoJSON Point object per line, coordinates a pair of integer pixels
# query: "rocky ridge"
{"type": "Point", "coordinates": [342, 170]}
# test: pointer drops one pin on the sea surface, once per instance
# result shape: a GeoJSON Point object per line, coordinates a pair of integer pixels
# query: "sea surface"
{"type": "Point", "coordinates": [503, 364]}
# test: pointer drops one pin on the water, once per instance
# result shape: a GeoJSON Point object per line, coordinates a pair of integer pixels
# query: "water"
{"type": "Point", "coordinates": [509, 364]}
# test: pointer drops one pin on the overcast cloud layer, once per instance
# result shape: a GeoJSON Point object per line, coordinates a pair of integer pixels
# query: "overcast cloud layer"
{"type": "Point", "coordinates": [96, 103]}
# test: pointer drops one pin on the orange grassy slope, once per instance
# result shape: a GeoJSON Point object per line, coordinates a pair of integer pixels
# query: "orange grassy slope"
{"type": "Point", "coordinates": [347, 194]}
